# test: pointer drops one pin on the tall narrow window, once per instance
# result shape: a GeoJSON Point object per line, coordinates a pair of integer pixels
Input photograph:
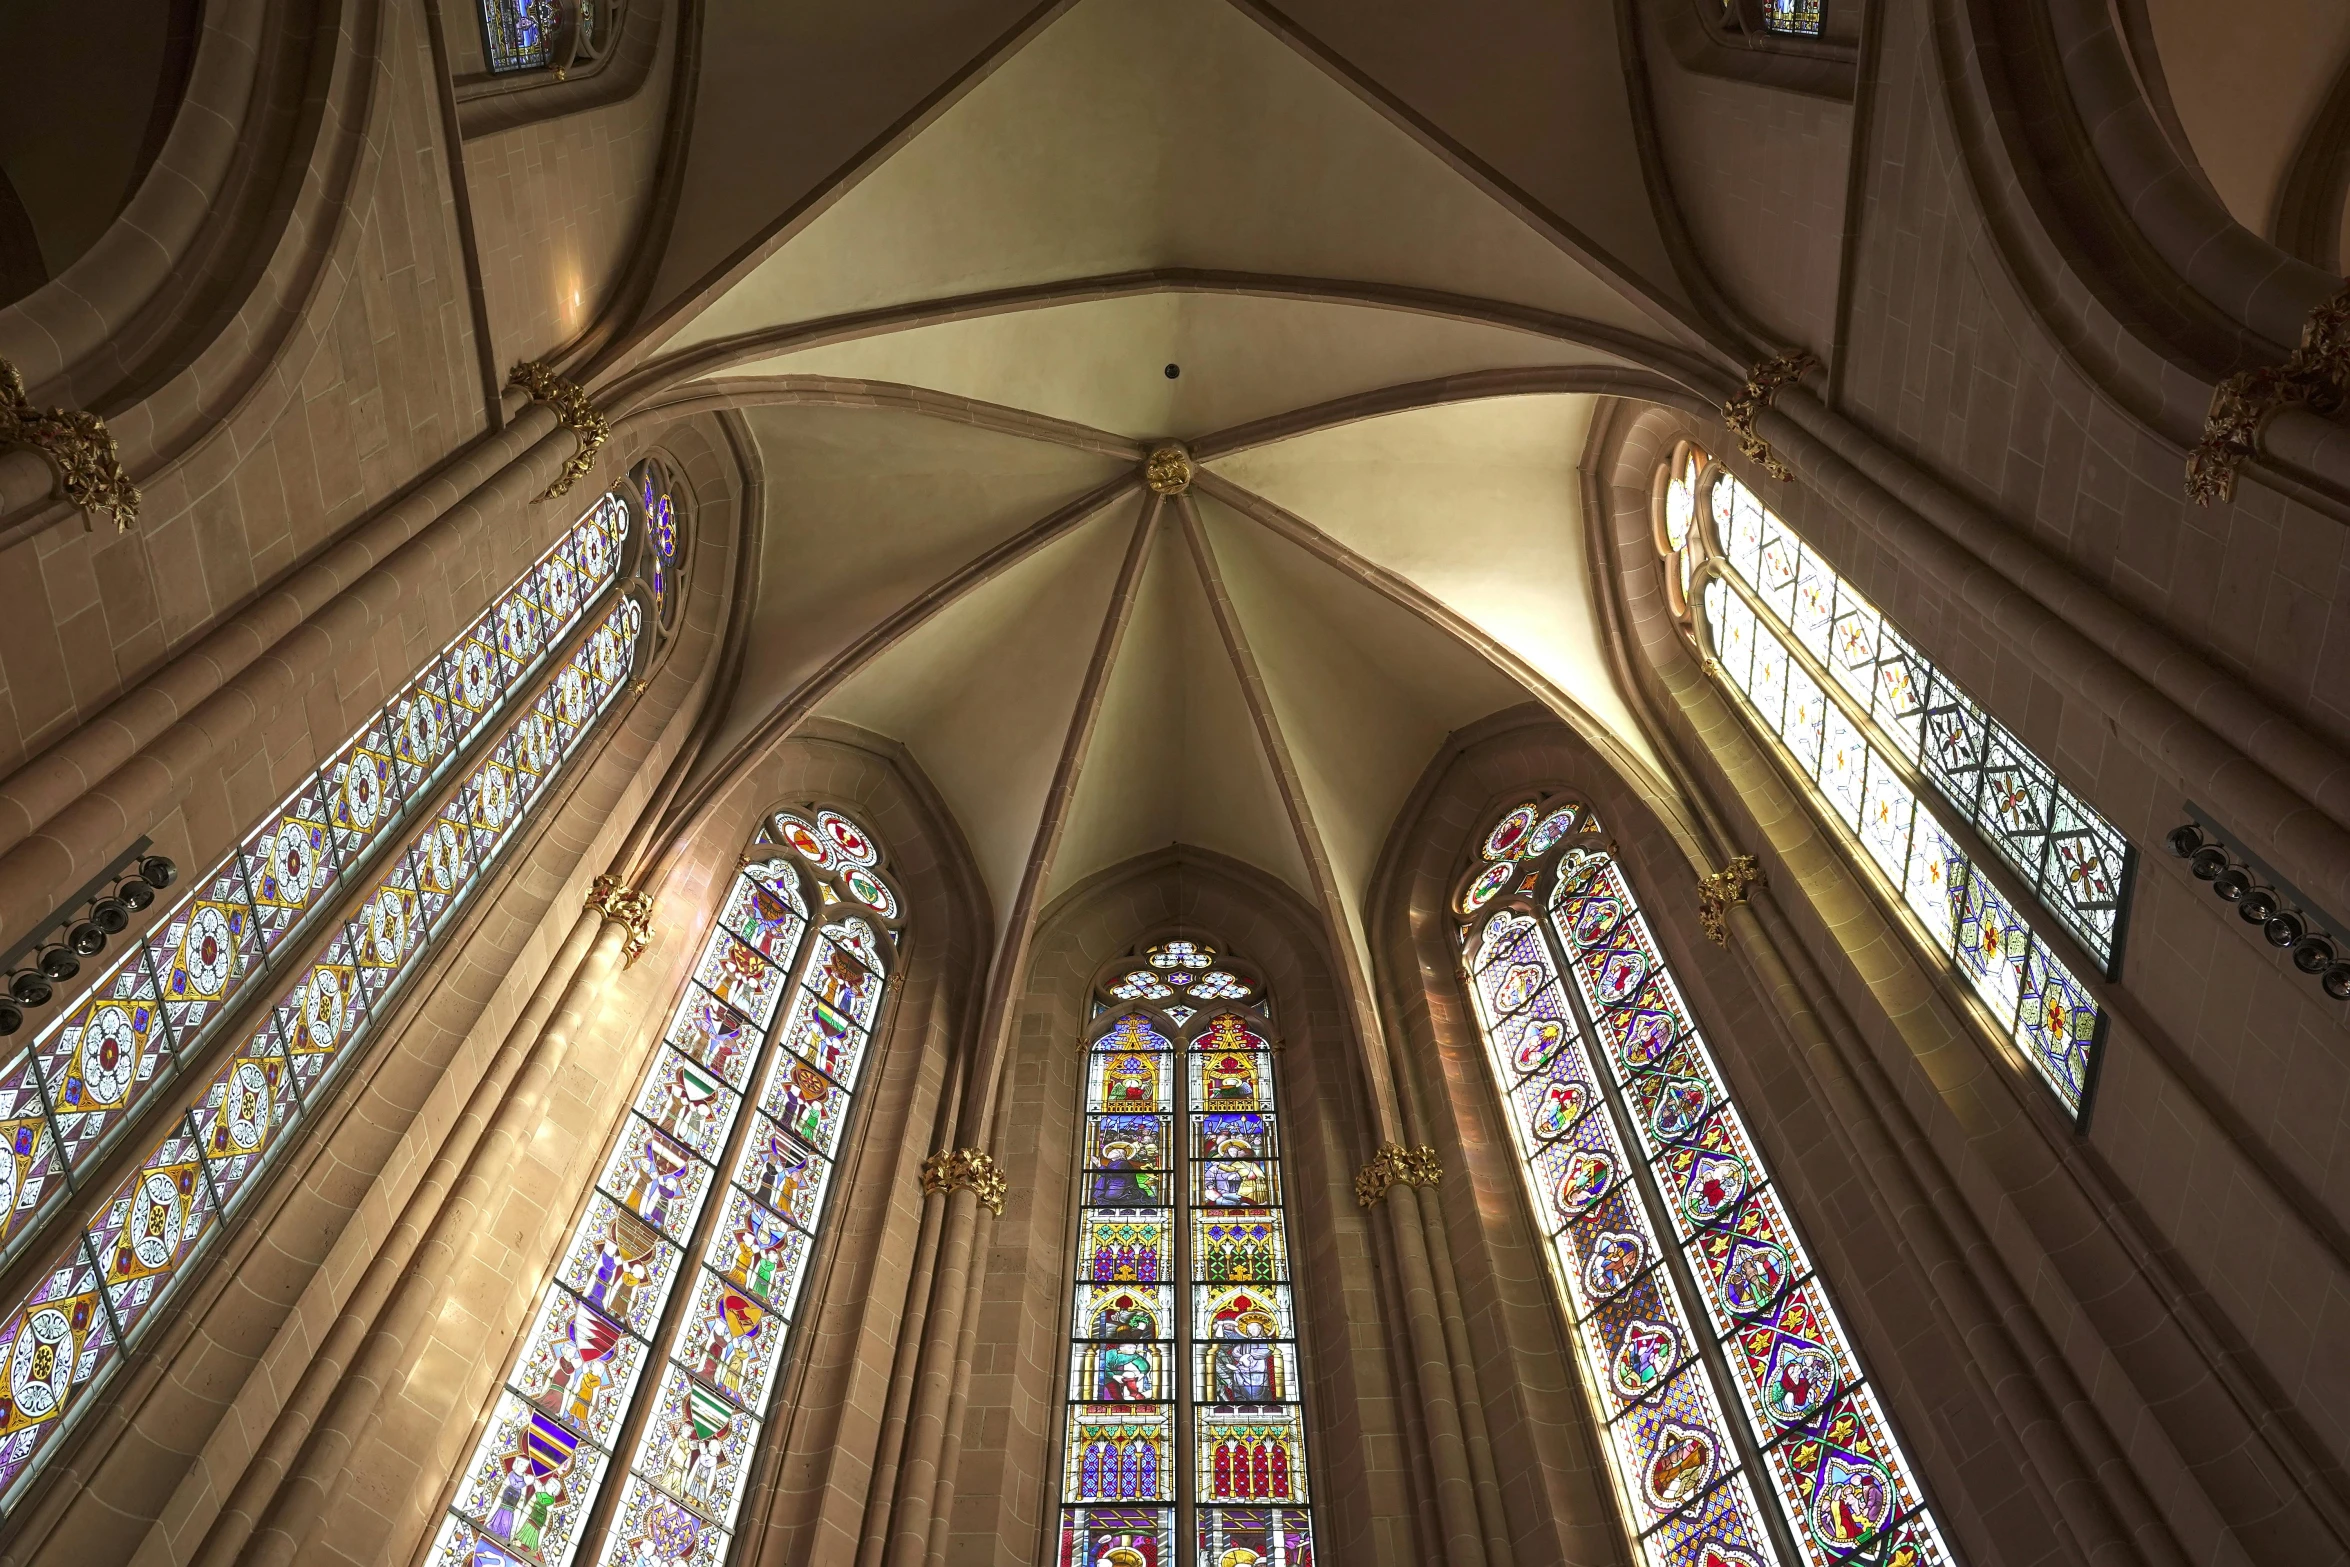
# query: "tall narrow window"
{"type": "Point", "coordinates": [367, 818]}
{"type": "Point", "coordinates": [659, 1284]}
{"type": "Point", "coordinates": [1797, 18]}
{"type": "Point", "coordinates": [1738, 1425]}
{"type": "Point", "coordinates": [651, 479]}
{"type": "Point", "coordinates": [1913, 771]}
{"type": "Point", "coordinates": [1185, 1416]}
{"type": "Point", "coordinates": [520, 34]}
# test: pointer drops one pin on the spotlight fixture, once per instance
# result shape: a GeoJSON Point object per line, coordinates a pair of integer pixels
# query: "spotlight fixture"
{"type": "Point", "coordinates": [2287, 919]}
{"type": "Point", "coordinates": [52, 952]}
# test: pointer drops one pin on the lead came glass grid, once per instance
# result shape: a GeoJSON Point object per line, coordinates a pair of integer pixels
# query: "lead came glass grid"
{"type": "Point", "coordinates": [1183, 1392]}
{"type": "Point", "coordinates": [105, 1281]}
{"type": "Point", "coordinates": [674, 1296]}
{"type": "Point", "coordinates": [1612, 1037]}
{"type": "Point", "coordinates": [518, 33]}
{"type": "Point", "coordinates": [103, 1057]}
{"type": "Point", "coordinates": [2040, 1008]}
{"type": "Point", "coordinates": [2075, 861]}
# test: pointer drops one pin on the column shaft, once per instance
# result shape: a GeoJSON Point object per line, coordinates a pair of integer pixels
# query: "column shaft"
{"type": "Point", "coordinates": [302, 1501]}
{"type": "Point", "coordinates": [278, 1448]}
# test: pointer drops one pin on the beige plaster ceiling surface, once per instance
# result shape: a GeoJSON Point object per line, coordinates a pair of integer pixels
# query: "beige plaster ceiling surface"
{"type": "Point", "coordinates": [1138, 134]}
{"type": "Point", "coordinates": [1175, 757]}
{"type": "Point", "coordinates": [1479, 503]}
{"type": "Point", "coordinates": [1242, 358]}
{"type": "Point", "coordinates": [982, 695]}
{"type": "Point", "coordinates": [1364, 691]}
{"type": "Point", "coordinates": [2246, 79]}
{"type": "Point", "coordinates": [1387, 581]}
{"type": "Point", "coordinates": [867, 508]}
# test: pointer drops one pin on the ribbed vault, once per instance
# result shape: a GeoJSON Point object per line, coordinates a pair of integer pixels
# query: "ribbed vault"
{"type": "Point", "coordinates": [1170, 222]}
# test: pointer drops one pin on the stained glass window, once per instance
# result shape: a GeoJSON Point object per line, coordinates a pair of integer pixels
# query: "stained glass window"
{"type": "Point", "coordinates": [1890, 743]}
{"type": "Point", "coordinates": [67, 1334]}
{"type": "Point", "coordinates": [93, 1073]}
{"type": "Point", "coordinates": [1185, 1416]}
{"type": "Point", "coordinates": [653, 494]}
{"type": "Point", "coordinates": [1738, 1424]}
{"type": "Point", "coordinates": [655, 1350]}
{"type": "Point", "coordinates": [520, 34]}
{"type": "Point", "coordinates": [1798, 17]}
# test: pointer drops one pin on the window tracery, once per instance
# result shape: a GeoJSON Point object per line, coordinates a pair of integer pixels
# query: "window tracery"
{"type": "Point", "coordinates": [98, 1074]}
{"type": "Point", "coordinates": [1185, 1415]}
{"type": "Point", "coordinates": [1738, 1424]}
{"type": "Point", "coordinates": [1912, 770]}
{"type": "Point", "coordinates": [684, 1268]}
{"type": "Point", "coordinates": [657, 504]}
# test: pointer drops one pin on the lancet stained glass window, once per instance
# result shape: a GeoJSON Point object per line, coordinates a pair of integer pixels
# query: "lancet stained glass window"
{"type": "Point", "coordinates": [1865, 716]}
{"type": "Point", "coordinates": [100, 1072]}
{"type": "Point", "coordinates": [1185, 1416]}
{"type": "Point", "coordinates": [661, 1333]}
{"type": "Point", "coordinates": [651, 480]}
{"type": "Point", "coordinates": [1739, 1426]}
{"type": "Point", "coordinates": [519, 34]}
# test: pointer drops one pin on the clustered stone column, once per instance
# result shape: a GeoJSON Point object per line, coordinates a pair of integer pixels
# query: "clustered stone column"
{"type": "Point", "coordinates": [963, 1181]}
{"type": "Point", "coordinates": [276, 1508]}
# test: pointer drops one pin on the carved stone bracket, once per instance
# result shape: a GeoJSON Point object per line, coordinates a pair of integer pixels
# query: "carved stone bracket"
{"type": "Point", "coordinates": [77, 444]}
{"type": "Point", "coordinates": [956, 1168]}
{"type": "Point", "coordinates": [2316, 377]}
{"type": "Point", "coordinates": [1396, 1165]}
{"type": "Point", "coordinates": [625, 906]}
{"type": "Point", "coordinates": [573, 411]}
{"type": "Point", "coordinates": [1762, 386]}
{"type": "Point", "coordinates": [1168, 472]}
{"type": "Point", "coordinates": [1724, 887]}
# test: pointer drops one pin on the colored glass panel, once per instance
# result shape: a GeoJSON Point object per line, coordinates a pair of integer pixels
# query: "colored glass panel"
{"type": "Point", "coordinates": [686, 1264]}
{"type": "Point", "coordinates": [2073, 860]}
{"type": "Point", "coordinates": [200, 1164]}
{"type": "Point", "coordinates": [1180, 1189]}
{"type": "Point", "coordinates": [1863, 784]}
{"type": "Point", "coordinates": [519, 34]}
{"type": "Point", "coordinates": [1739, 1424]}
{"type": "Point", "coordinates": [99, 1063]}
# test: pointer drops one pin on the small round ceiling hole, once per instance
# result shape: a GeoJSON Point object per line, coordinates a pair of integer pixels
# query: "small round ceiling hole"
{"type": "Point", "coordinates": [1173, 371]}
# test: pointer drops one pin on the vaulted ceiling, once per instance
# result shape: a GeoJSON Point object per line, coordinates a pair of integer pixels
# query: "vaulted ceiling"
{"type": "Point", "coordinates": [1145, 221]}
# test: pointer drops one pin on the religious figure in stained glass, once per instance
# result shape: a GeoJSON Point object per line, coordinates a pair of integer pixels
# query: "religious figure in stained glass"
{"type": "Point", "coordinates": [774, 998]}
{"type": "Point", "coordinates": [1583, 1025]}
{"type": "Point", "coordinates": [1219, 1378]}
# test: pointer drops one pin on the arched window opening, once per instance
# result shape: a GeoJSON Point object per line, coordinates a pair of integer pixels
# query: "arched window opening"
{"type": "Point", "coordinates": [368, 817]}
{"type": "Point", "coordinates": [530, 35]}
{"type": "Point", "coordinates": [1737, 1422]}
{"type": "Point", "coordinates": [656, 503]}
{"type": "Point", "coordinates": [1185, 1413]}
{"type": "Point", "coordinates": [1917, 778]}
{"type": "Point", "coordinates": [1792, 18]}
{"type": "Point", "coordinates": [661, 1334]}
